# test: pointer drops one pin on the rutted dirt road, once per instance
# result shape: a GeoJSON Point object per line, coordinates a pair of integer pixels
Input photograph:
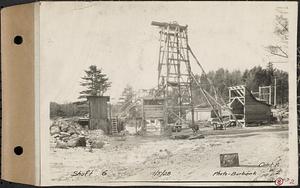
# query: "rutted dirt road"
{"type": "Point", "coordinates": [262, 155]}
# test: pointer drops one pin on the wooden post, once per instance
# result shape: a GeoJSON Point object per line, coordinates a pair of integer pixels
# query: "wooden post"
{"type": "Point", "coordinates": [110, 109]}
{"type": "Point", "coordinates": [270, 95]}
{"type": "Point", "coordinates": [143, 116]}
{"type": "Point", "coordinates": [275, 95]}
{"type": "Point", "coordinates": [90, 119]}
{"type": "Point", "coordinates": [229, 94]}
{"type": "Point", "coordinates": [135, 125]}
{"type": "Point", "coordinates": [244, 106]}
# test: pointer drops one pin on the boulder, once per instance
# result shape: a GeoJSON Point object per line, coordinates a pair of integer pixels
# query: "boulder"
{"type": "Point", "coordinates": [76, 142]}
{"type": "Point", "coordinates": [64, 134]}
{"type": "Point", "coordinates": [61, 144]}
{"type": "Point", "coordinates": [72, 142]}
{"type": "Point", "coordinates": [54, 130]}
{"type": "Point", "coordinates": [82, 132]}
{"type": "Point", "coordinates": [71, 130]}
{"type": "Point", "coordinates": [64, 126]}
{"type": "Point", "coordinates": [75, 135]}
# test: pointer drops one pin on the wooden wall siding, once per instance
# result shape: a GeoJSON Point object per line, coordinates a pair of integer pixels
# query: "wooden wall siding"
{"type": "Point", "coordinates": [99, 124]}
{"type": "Point", "coordinates": [98, 110]}
{"type": "Point", "coordinates": [199, 114]}
{"type": "Point", "coordinates": [253, 110]}
{"type": "Point", "coordinates": [153, 108]}
{"type": "Point", "coordinates": [237, 107]}
{"type": "Point", "coordinates": [153, 111]}
{"type": "Point", "coordinates": [256, 111]}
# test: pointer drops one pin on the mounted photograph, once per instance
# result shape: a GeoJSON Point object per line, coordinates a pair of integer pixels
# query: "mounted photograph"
{"type": "Point", "coordinates": [168, 93]}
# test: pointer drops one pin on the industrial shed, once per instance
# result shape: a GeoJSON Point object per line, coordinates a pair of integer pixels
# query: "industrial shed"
{"type": "Point", "coordinates": [98, 117]}
{"type": "Point", "coordinates": [200, 114]}
{"type": "Point", "coordinates": [153, 108]}
{"type": "Point", "coordinates": [247, 108]}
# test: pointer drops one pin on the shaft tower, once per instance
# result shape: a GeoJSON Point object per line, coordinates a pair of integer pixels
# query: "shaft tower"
{"type": "Point", "coordinates": [174, 72]}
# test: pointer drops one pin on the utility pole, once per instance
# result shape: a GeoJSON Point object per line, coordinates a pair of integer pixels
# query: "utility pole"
{"type": "Point", "coordinates": [270, 95]}
{"type": "Point", "coordinates": [275, 85]}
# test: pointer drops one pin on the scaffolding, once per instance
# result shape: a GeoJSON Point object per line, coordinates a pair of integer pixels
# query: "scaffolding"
{"type": "Point", "coordinates": [175, 77]}
{"type": "Point", "coordinates": [237, 93]}
{"type": "Point", "coordinates": [265, 93]}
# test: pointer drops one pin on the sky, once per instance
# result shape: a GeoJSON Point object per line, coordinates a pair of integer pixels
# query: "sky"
{"type": "Point", "coordinates": [118, 37]}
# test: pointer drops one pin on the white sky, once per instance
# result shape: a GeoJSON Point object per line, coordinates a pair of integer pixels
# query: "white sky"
{"type": "Point", "coordinates": [118, 37]}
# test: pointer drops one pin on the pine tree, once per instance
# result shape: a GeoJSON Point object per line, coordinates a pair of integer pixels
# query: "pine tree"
{"type": "Point", "coordinates": [95, 82]}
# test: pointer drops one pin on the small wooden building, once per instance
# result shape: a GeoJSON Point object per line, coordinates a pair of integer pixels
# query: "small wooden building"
{"type": "Point", "coordinates": [200, 114]}
{"type": "Point", "coordinates": [98, 113]}
{"type": "Point", "coordinates": [247, 108]}
{"type": "Point", "coordinates": [152, 109]}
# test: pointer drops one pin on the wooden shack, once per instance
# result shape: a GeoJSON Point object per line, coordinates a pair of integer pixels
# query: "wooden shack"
{"type": "Point", "coordinates": [200, 113]}
{"type": "Point", "coordinates": [98, 113]}
{"type": "Point", "coordinates": [153, 108]}
{"type": "Point", "coordinates": [247, 108]}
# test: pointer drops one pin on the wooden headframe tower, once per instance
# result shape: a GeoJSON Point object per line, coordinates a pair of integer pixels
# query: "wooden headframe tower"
{"type": "Point", "coordinates": [175, 77]}
{"type": "Point", "coordinates": [174, 71]}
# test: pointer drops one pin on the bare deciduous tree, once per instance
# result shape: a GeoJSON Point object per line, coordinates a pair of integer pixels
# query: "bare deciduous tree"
{"type": "Point", "coordinates": [281, 31]}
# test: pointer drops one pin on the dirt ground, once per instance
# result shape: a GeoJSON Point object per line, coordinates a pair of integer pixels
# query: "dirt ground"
{"type": "Point", "coordinates": [262, 156]}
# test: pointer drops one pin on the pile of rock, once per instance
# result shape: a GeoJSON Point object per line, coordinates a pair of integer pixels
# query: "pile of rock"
{"type": "Point", "coordinates": [68, 133]}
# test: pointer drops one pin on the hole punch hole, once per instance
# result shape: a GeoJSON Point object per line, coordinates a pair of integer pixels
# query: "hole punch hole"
{"type": "Point", "coordinates": [18, 150]}
{"type": "Point", "coordinates": [18, 40]}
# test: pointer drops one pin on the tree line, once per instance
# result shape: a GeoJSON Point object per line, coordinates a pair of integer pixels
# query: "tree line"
{"type": "Point", "coordinates": [69, 109]}
{"type": "Point", "coordinates": [96, 83]}
{"type": "Point", "coordinates": [252, 78]}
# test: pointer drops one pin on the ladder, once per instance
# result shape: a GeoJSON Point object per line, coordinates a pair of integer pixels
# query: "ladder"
{"type": "Point", "coordinates": [114, 125]}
